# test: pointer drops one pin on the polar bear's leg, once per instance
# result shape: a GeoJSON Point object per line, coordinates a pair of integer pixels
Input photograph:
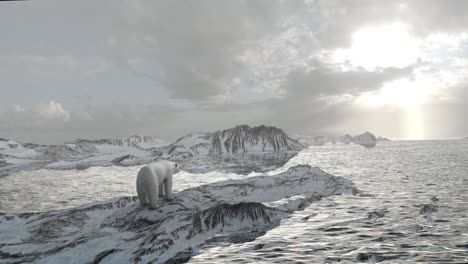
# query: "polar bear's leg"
{"type": "Point", "coordinates": [141, 191]}
{"type": "Point", "coordinates": [143, 200]}
{"type": "Point", "coordinates": [168, 187]}
{"type": "Point", "coordinates": [161, 189]}
{"type": "Point", "coordinates": [152, 192]}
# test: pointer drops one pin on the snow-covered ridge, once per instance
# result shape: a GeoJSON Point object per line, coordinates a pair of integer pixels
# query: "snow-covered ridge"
{"type": "Point", "coordinates": [16, 149]}
{"type": "Point", "coordinates": [83, 153]}
{"type": "Point", "coordinates": [240, 139]}
{"type": "Point", "coordinates": [366, 139]}
{"type": "Point", "coordinates": [79, 147]}
{"type": "Point", "coordinates": [138, 141]}
{"type": "Point", "coordinates": [119, 230]}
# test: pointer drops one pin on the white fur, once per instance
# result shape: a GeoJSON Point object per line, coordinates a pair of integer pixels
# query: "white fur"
{"type": "Point", "coordinates": [154, 179]}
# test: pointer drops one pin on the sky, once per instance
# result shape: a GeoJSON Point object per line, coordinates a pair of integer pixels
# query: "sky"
{"type": "Point", "coordinates": [114, 68]}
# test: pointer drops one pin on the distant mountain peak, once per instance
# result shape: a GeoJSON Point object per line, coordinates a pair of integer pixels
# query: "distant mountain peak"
{"type": "Point", "coordinates": [239, 139]}
{"type": "Point", "coordinates": [366, 139]}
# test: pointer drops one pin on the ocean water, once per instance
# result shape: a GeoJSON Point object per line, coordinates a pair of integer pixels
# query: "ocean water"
{"type": "Point", "coordinates": [413, 207]}
{"type": "Point", "coordinates": [390, 222]}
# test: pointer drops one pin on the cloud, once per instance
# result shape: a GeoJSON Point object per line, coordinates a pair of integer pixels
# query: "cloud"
{"type": "Point", "coordinates": [52, 111]}
{"type": "Point", "coordinates": [341, 18]}
{"type": "Point", "coordinates": [40, 115]}
{"type": "Point", "coordinates": [39, 122]}
{"type": "Point", "coordinates": [203, 55]}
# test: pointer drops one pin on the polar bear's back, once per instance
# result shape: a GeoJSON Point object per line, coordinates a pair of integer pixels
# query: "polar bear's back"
{"type": "Point", "coordinates": [161, 169]}
{"type": "Point", "coordinates": [146, 175]}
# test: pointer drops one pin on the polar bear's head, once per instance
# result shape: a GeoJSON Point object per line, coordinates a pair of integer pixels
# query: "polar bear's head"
{"type": "Point", "coordinates": [176, 168]}
{"type": "Point", "coordinates": [172, 166]}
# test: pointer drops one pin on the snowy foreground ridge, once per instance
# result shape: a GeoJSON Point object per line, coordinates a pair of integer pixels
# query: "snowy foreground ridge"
{"type": "Point", "coordinates": [120, 231]}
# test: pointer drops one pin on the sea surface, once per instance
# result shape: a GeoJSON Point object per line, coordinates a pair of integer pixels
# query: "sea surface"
{"type": "Point", "coordinates": [413, 205]}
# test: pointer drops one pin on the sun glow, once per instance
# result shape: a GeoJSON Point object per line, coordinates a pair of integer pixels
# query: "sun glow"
{"type": "Point", "coordinates": [380, 47]}
{"type": "Point", "coordinates": [406, 96]}
{"type": "Point", "coordinates": [387, 46]}
{"type": "Point", "coordinates": [403, 93]}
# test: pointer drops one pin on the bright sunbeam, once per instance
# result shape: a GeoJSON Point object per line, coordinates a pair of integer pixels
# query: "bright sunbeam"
{"type": "Point", "coordinates": [404, 93]}
{"type": "Point", "coordinates": [414, 124]}
{"type": "Point", "coordinates": [384, 46]}
{"type": "Point", "coordinates": [407, 96]}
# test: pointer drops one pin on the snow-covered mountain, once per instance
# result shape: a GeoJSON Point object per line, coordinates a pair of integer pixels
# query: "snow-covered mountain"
{"type": "Point", "coordinates": [78, 148]}
{"type": "Point", "coordinates": [80, 153]}
{"type": "Point", "coordinates": [240, 139]}
{"type": "Point", "coordinates": [366, 139]}
{"type": "Point", "coordinates": [121, 231]}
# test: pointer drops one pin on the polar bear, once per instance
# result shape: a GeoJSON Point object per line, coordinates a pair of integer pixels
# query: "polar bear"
{"type": "Point", "coordinates": [152, 178]}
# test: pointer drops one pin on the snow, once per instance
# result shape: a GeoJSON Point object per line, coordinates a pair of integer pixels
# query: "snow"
{"type": "Point", "coordinates": [15, 149]}
{"type": "Point", "coordinates": [136, 149]}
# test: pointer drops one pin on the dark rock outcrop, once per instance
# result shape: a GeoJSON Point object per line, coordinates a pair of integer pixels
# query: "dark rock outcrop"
{"type": "Point", "coordinates": [366, 139]}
